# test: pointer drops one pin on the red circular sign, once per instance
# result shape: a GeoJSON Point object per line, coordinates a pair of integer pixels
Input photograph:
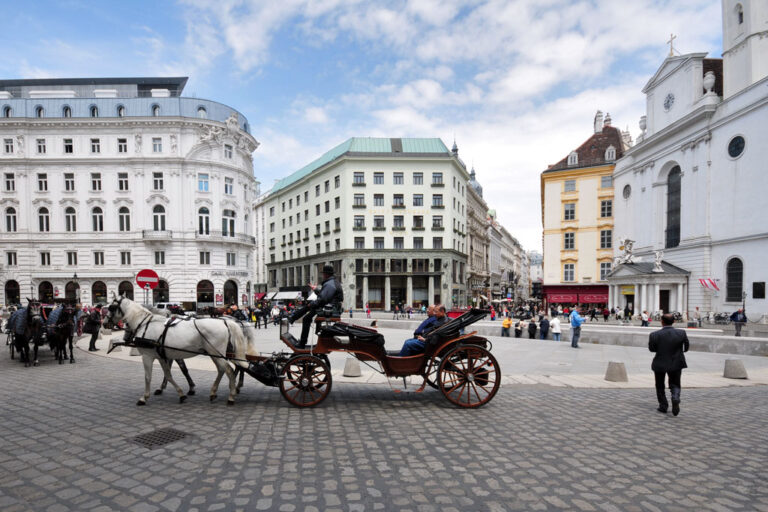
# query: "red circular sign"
{"type": "Point", "coordinates": [147, 277]}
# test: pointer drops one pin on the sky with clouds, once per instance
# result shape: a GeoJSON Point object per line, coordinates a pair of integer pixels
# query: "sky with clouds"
{"type": "Point", "coordinates": [516, 82]}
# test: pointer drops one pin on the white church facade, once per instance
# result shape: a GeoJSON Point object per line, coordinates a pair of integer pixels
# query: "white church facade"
{"type": "Point", "coordinates": [693, 184]}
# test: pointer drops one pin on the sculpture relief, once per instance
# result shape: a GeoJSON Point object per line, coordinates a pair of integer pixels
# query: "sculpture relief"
{"type": "Point", "coordinates": [137, 143]}
{"type": "Point", "coordinates": [20, 143]}
{"type": "Point", "coordinates": [174, 145]}
{"type": "Point", "coordinates": [658, 255]}
{"type": "Point", "coordinates": [625, 244]}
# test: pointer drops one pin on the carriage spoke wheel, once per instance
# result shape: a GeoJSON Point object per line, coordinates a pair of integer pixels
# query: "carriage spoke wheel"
{"type": "Point", "coordinates": [432, 372]}
{"type": "Point", "coordinates": [306, 380]}
{"type": "Point", "coordinates": [469, 376]}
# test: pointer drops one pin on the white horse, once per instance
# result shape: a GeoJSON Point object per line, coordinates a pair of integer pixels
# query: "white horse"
{"type": "Point", "coordinates": [186, 339]}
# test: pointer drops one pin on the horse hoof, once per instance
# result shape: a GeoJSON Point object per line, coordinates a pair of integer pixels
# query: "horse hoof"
{"type": "Point", "coordinates": [158, 392]}
{"type": "Point", "coordinates": [182, 399]}
{"type": "Point", "coordinates": [230, 402]}
{"type": "Point", "coordinates": [36, 363]}
{"type": "Point", "coordinates": [191, 392]}
{"type": "Point", "coordinates": [141, 402]}
{"type": "Point", "coordinates": [213, 397]}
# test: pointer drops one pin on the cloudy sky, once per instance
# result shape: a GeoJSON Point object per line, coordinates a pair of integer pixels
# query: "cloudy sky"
{"type": "Point", "coordinates": [516, 82]}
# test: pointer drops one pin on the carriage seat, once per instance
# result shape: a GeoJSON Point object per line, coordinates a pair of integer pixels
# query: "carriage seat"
{"type": "Point", "coordinates": [354, 332]}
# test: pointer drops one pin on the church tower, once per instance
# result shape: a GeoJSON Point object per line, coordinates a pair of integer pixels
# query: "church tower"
{"type": "Point", "coordinates": [745, 44]}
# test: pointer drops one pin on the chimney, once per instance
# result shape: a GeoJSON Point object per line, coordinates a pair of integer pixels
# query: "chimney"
{"type": "Point", "coordinates": [598, 122]}
{"type": "Point", "coordinates": [607, 121]}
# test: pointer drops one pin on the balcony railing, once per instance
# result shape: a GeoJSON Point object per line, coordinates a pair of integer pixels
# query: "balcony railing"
{"type": "Point", "coordinates": [149, 234]}
{"type": "Point", "coordinates": [226, 237]}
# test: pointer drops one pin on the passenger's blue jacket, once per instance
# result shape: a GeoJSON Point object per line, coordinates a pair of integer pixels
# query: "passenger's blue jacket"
{"type": "Point", "coordinates": [425, 325]}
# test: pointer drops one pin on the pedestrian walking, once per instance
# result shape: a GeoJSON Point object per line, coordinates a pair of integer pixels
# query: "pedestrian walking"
{"type": "Point", "coordinates": [519, 326]}
{"type": "Point", "coordinates": [93, 326]}
{"type": "Point", "coordinates": [532, 329]}
{"type": "Point", "coordinates": [606, 314]}
{"type": "Point", "coordinates": [739, 319]}
{"type": "Point", "coordinates": [576, 321]}
{"type": "Point", "coordinates": [554, 326]}
{"type": "Point", "coordinates": [505, 325]}
{"type": "Point", "coordinates": [669, 344]}
{"type": "Point", "coordinates": [644, 319]}
{"type": "Point", "coordinates": [544, 328]}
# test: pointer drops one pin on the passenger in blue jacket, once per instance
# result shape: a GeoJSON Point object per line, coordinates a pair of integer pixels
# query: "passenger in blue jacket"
{"type": "Point", "coordinates": [416, 345]}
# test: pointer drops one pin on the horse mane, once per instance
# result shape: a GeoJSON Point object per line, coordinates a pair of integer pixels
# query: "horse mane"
{"type": "Point", "coordinates": [133, 310]}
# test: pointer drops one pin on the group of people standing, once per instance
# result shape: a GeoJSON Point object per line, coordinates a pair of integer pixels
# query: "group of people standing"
{"type": "Point", "coordinates": [544, 327]}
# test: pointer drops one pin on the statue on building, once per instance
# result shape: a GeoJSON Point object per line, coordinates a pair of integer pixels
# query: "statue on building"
{"type": "Point", "coordinates": [137, 143]}
{"type": "Point", "coordinates": [625, 244]}
{"type": "Point", "coordinates": [658, 255]}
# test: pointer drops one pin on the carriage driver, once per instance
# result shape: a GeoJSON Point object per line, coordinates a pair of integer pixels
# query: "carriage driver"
{"type": "Point", "coordinates": [329, 293]}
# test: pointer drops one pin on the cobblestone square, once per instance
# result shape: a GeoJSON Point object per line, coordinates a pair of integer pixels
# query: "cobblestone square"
{"type": "Point", "coordinates": [67, 445]}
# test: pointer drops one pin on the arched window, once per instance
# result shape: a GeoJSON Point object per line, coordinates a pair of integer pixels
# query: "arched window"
{"type": "Point", "coordinates": [228, 223]}
{"type": "Point", "coordinates": [70, 219]}
{"type": "Point", "coordinates": [10, 220]}
{"type": "Point", "coordinates": [739, 14]}
{"type": "Point", "coordinates": [202, 113]}
{"type": "Point", "coordinates": [573, 159]}
{"type": "Point", "coordinates": [162, 292]}
{"type": "Point", "coordinates": [125, 289]}
{"type": "Point", "coordinates": [39, 111]}
{"type": "Point", "coordinates": [230, 292]}
{"type": "Point", "coordinates": [44, 220]}
{"type": "Point", "coordinates": [246, 128]}
{"type": "Point", "coordinates": [155, 110]}
{"type": "Point", "coordinates": [12, 292]}
{"type": "Point", "coordinates": [124, 219]}
{"type": "Point", "coordinates": [204, 294]}
{"type": "Point", "coordinates": [72, 291]}
{"type": "Point", "coordinates": [7, 111]}
{"type": "Point", "coordinates": [158, 218]}
{"type": "Point", "coordinates": [610, 153]}
{"type": "Point", "coordinates": [97, 215]}
{"type": "Point", "coordinates": [45, 292]}
{"type": "Point", "coordinates": [99, 292]}
{"type": "Point", "coordinates": [120, 111]}
{"type": "Point", "coordinates": [94, 111]}
{"type": "Point", "coordinates": [203, 221]}
{"type": "Point", "coordinates": [734, 280]}
{"type": "Point", "coordinates": [673, 208]}
{"type": "Point", "coordinates": [66, 111]}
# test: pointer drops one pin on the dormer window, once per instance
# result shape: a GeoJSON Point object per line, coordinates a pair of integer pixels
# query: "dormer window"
{"type": "Point", "coordinates": [202, 113]}
{"type": "Point", "coordinates": [610, 154]}
{"type": "Point", "coordinates": [39, 111]}
{"type": "Point", "coordinates": [155, 110]}
{"type": "Point", "coordinates": [120, 111]}
{"type": "Point", "coordinates": [94, 111]}
{"type": "Point", "coordinates": [573, 159]}
{"type": "Point", "coordinates": [6, 111]}
{"type": "Point", "coordinates": [66, 112]}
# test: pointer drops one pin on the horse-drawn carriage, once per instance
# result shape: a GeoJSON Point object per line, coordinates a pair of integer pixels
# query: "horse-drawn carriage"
{"type": "Point", "coordinates": [460, 365]}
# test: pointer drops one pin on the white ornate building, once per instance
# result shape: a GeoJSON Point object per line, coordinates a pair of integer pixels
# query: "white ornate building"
{"type": "Point", "coordinates": [478, 231]}
{"type": "Point", "coordinates": [694, 183]}
{"type": "Point", "coordinates": [102, 177]}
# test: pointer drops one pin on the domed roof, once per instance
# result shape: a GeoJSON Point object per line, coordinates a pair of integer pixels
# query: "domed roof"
{"type": "Point", "coordinates": [474, 184]}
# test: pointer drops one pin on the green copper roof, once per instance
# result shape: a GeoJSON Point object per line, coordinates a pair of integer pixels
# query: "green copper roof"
{"type": "Point", "coordinates": [374, 146]}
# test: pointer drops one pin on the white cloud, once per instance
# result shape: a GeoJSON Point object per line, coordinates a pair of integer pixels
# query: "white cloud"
{"type": "Point", "coordinates": [315, 115]}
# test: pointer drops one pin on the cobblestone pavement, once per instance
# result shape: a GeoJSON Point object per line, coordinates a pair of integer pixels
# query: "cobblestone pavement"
{"type": "Point", "coordinates": [66, 445]}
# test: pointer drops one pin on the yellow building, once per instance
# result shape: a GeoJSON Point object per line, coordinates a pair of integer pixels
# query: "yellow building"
{"type": "Point", "coordinates": [577, 215]}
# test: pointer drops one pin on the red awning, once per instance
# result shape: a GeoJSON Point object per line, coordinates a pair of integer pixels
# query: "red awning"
{"type": "Point", "coordinates": [593, 298]}
{"type": "Point", "coordinates": [561, 297]}
{"type": "Point", "coordinates": [259, 296]}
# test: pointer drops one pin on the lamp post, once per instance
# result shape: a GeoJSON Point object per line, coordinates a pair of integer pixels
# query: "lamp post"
{"type": "Point", "coordinates": [77, 288]}
{"type": "Point", "coordinates": [146, 294]}
{"type": "Point", "coordinates": [744, 302]}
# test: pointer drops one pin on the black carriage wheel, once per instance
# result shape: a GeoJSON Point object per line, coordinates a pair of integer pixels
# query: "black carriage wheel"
{"type": "Point", "coordinates": [305, 381]}
{"type": "Point", "coordinates": [469, 376]}
{"type": "Point", "coordinates": [432, 372]}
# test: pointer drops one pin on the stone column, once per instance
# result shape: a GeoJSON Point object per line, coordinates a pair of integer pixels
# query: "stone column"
{"type": "Point", "coordinates": [365, 290]}
{"type": "Point", "coordinates": [387, 294]}
{"type": "Point", "coordinates": [409, 290]}
{"type": "Point", "coordinates": [610, 296]}
{"type": "Point", "coordinates": [636, 299]}
{"type": "Point", "coordinates": [431, 289]}
{"type": "Point", "coordinates": [644, 297]}
{"type": "Point", "coordinates": [679, 298]}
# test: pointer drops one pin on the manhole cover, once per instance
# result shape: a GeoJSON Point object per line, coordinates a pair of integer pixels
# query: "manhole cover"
{"type": "Point", "coordinates": [158, 438]}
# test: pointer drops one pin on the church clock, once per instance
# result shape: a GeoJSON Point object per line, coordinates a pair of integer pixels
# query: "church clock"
{"type": "Point", "coordinates": [669, 101]}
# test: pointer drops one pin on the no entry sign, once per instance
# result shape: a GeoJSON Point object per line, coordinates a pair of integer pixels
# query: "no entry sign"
{"type": "Point", "coordinates": [147, 277]}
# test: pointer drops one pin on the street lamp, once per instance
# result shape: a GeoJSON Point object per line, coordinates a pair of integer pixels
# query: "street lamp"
{"type": "Point", "coordinates": [77, 288]}
{"type": "Point", "coordinates": [744, 302]}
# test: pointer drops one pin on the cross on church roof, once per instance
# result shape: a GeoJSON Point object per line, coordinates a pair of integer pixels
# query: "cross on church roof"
{"type": "Point", "coordinates": [671, 43]}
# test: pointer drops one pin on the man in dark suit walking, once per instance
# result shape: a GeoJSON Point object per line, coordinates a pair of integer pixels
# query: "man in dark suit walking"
{"type": "Point", "coordinates": [669, 344]}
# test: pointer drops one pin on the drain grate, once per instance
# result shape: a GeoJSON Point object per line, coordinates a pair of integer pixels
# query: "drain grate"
{"type": "Point", "coordinates": [158, 438]}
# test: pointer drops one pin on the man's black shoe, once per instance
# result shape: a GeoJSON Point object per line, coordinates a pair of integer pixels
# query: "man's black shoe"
{"type": "Point", "coordinates": [675, 407]}
{"type": "Point", "coordinates": [662, 410]}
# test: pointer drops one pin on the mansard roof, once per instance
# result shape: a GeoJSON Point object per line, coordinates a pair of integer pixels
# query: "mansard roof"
{"type": "Point", "coordinates": [592, 151]}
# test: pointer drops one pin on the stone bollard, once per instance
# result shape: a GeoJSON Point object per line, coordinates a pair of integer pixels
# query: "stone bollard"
{"type": "Point", "coordinates": [616, 372]}
{"type": "Point", "coordinates": [352, 368]}
{"type": "Point", "coordinates": [134, 352]}
{"type": "Point", "coordinates": [734, 369]}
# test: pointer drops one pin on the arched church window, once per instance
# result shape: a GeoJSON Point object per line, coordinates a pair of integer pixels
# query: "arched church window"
{"type": "Point", "coordinates": [734, 280]}
{"type": "Point", "coordinates": [739, 14]}
{"type": "Point", "coordinates": [673, 208]}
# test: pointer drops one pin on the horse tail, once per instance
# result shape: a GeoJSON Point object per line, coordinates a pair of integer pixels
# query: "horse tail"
{"type": "Point", "coordinates": [238, 340]}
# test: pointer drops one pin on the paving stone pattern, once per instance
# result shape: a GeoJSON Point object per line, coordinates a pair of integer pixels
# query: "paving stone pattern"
{"type": "Point", "coordinates": [66, 445]}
